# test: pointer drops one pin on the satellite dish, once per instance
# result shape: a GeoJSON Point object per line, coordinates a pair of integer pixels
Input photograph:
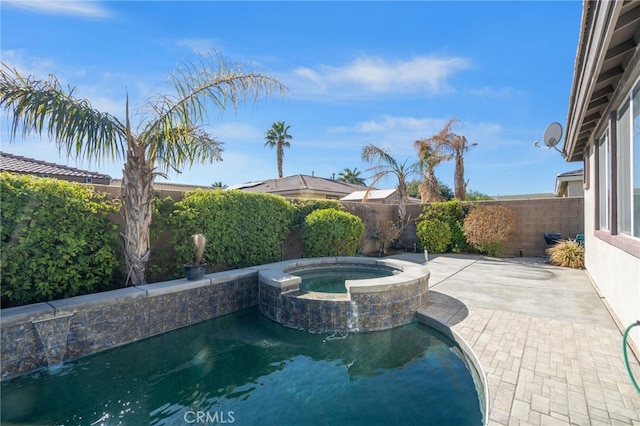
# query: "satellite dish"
{"type": "Point", "coordinates": [552, 135]}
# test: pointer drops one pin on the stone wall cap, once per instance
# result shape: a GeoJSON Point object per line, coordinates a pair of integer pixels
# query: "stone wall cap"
{"type": "Point", "coordinates": [26, 313]}
{"type": "Point", "coordinates": [105, 298]}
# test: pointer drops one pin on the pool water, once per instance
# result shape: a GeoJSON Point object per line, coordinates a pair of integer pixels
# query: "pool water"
{"type": "Point", "coordinates": [331, 280]}
{"type": "Point", "coordinates": [244, 369]}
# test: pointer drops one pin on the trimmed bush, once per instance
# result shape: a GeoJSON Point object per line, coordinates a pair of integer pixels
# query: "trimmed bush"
{"type": "Point", "coordinates": [487, 227]}
{"type": "Point", "coordinates": [242, 228]}
{"type": "Point", "coordinates": [567, 253]}
{"type": "Point", "coordinates": [57, 240]}
{"type": "Point", "coordinates": [330, 232]}
{"type": "Point", "coordinates": [434, 235]}
{"type": "Point", "coordinates": [303, 206]}
{"type": "Point", "coordinates": [453, 214]}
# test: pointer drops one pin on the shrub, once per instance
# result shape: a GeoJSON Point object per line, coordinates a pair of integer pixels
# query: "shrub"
{"type": "Point", "coordinates": [57, 240]}
{"type": "Point", "coordinates": [487, 227]}
{"type": "Point", "coordinates": [434, 235]}
{"type": "Point", "coordinates": [242, 229]}
{"type": "Point", "coordinates": [386, 233]}
{"type": "Point", "coordinates": [303, 206]}
{"type": "Point", "coordinates": [567, 253]}
{"type": "Point", "coordinates": [330, 232]}
{"type": "Point", "coordinates": [453, 214]}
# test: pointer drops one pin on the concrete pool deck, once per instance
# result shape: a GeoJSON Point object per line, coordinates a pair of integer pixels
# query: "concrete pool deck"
{"type": "Point", "coordinates": [550, 349]}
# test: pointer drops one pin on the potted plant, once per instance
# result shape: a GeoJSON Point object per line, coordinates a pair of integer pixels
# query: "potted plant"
{"type": "Point", "coordinates": [196, 270]}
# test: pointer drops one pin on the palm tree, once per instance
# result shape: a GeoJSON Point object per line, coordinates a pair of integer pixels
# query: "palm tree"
{"type": "Point", "coordinates": [459, 145]}
{"type": "Point", "coordinates": [168, 137]}
{"type": "Point", "coordinates": [432, 151]}
{"type": "Point", "coordinates": [219, 185]}
{"type": "Point", "coordinates": [387, 165]}
{"type": "Point", "coordinates": [351, 176]}
{"type": "Point", "coordinates": [277, 137]}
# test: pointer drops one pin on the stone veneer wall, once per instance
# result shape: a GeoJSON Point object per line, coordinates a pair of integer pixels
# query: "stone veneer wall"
{"type": "Point", "coordinates": [84, 325]}
{"type": "Point", "coordinates": [374, 304]}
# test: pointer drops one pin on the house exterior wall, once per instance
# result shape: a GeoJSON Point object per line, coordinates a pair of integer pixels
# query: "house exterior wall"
{"type": "Point", "coordinates": [614, 272]}
{"type": "Point", "coordinates": [574, 189]}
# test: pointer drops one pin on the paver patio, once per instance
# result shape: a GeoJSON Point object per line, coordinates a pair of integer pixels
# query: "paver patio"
{"type": "Point", "coordinates": [551, 351]}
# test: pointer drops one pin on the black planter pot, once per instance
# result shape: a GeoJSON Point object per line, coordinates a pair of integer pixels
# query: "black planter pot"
{"type": "Point", "coordinates": [195, 272]}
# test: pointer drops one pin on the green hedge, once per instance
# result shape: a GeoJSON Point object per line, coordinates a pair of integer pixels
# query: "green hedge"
{"type": "Point", "coordinates": [434, 235]}
{"type": "Point", "coordinates": [304, 206]}
{"type": "Point", "coordinates": [57, 240]}
{"type": "Point", "coordinates": [330, 232]}
{"type": "Point", "coordinates": [242, 228]}
{"type": "Point", "coordinates": [452, 213]}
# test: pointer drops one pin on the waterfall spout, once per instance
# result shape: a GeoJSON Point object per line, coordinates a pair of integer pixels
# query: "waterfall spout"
{"type": "Point", "coordinates": [53, 334]}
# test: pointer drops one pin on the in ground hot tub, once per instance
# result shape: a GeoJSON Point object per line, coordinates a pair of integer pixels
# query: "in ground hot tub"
{"type": "Point", "coordinates": [368, 304]}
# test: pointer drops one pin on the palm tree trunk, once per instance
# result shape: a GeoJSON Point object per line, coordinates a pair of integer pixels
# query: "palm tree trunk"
{"type": "Point", "coordinates": [432, 188]}
{"type": "Point", "coordinates": [280, 154]}
{"type": "Point", "coordinates": [460, 185]}
{"type": "Point", "coordinates": [137, 192]}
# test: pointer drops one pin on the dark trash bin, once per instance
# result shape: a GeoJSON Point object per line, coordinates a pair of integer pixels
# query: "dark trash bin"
{"type": "Point", "coordinates": [552, 238]}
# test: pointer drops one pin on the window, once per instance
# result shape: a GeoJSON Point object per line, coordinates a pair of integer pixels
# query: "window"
{"type": "Point", "coordinates": [628, 165]}
{"type": "Point", "coordinates": [635, 165]}
{"type": "Point", "coordinates": [623, 163]}
{"type": "Point", "coordinates": [604, 181]}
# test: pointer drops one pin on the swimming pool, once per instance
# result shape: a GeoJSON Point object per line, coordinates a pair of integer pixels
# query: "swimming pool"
{"type": "Point", "coordinates": [245, 369]}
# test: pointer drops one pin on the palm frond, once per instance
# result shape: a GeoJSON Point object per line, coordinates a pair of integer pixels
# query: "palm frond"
{"type": "Point", "coordinates": [44, 107]}
{"type": "Point", "coordinates": [210, 83]}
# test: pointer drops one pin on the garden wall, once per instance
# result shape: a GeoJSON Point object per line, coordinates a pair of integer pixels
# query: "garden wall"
{"type": "Point", "coordinates": [534, 217]}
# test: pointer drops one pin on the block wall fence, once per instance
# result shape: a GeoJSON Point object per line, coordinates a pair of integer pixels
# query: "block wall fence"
{"type": "Point", "coordinates": [534, 218]}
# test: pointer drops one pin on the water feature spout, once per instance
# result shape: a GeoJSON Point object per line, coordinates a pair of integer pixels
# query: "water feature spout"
{"type": "Point", "coordinates": [53, 334]}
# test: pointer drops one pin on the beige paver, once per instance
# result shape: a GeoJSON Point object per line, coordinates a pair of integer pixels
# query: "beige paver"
{"type": "Point", "coordinates": [549, 347]}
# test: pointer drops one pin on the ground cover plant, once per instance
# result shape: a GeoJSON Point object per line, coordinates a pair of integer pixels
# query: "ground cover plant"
{"type": "Point", "coordinates": [57, 240]}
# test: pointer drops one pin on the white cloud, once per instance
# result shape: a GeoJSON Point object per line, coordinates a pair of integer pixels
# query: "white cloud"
{"type": "Point", "coordinates": [200, 46]}
{"type": "Point", "coordinates": [374, 76]}
{"type": "Point", "coordinates": [89, 9]}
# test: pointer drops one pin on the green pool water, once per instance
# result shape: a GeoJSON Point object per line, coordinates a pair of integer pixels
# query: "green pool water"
{"type": "Point", "coordinates": [243, 369]}
{"type": "Point", "coordinates": [331, 280]}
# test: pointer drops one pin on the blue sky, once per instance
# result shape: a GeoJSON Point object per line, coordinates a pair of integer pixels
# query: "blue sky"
{"type": "Point", "coordinates": [358, 73]}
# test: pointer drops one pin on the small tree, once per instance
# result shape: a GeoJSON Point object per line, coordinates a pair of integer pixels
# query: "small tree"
{"type": "Point", "coordinates": [170, 135]}
{"type": "Point", "coordinates": [385, 165]}
{"type": "Point", "coordinates": [386, 233]}
{"type": "Point", "coordinates": [487, 227]}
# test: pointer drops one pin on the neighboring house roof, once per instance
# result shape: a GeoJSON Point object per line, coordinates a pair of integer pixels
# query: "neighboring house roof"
{"type": "Point", "coordinates": [523, 196]}
{"type": "Point", "coordinates": [606, 48]}
{"type": "Point", "coordinates": [374, 194]}
{"type": "Point", "coordinates": [23, 165]}
{"type": "Point", "coordinates": [296, 184]}
{"type": "Point", "coordinates": [170, 186]}
{"type": "Point", "coordinates": [563, 180]}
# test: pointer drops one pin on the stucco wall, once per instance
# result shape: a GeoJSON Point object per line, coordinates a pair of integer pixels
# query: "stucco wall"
{"type": "Point", "coordinates": [615, 274]}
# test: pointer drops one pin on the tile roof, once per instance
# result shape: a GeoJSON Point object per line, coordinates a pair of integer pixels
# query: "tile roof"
{"type": "Point", "coordinates": [18, 164]}
{"type": "Point", "coordinates": [297, 183]}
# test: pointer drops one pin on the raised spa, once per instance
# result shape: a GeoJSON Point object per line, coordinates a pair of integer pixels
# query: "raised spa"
{"type": "Point", "coordinates": [388, 300]}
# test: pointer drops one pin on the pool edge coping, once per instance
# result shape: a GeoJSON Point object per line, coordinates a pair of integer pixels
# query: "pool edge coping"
{"type": "Point", "coordinates": [470, 354]}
